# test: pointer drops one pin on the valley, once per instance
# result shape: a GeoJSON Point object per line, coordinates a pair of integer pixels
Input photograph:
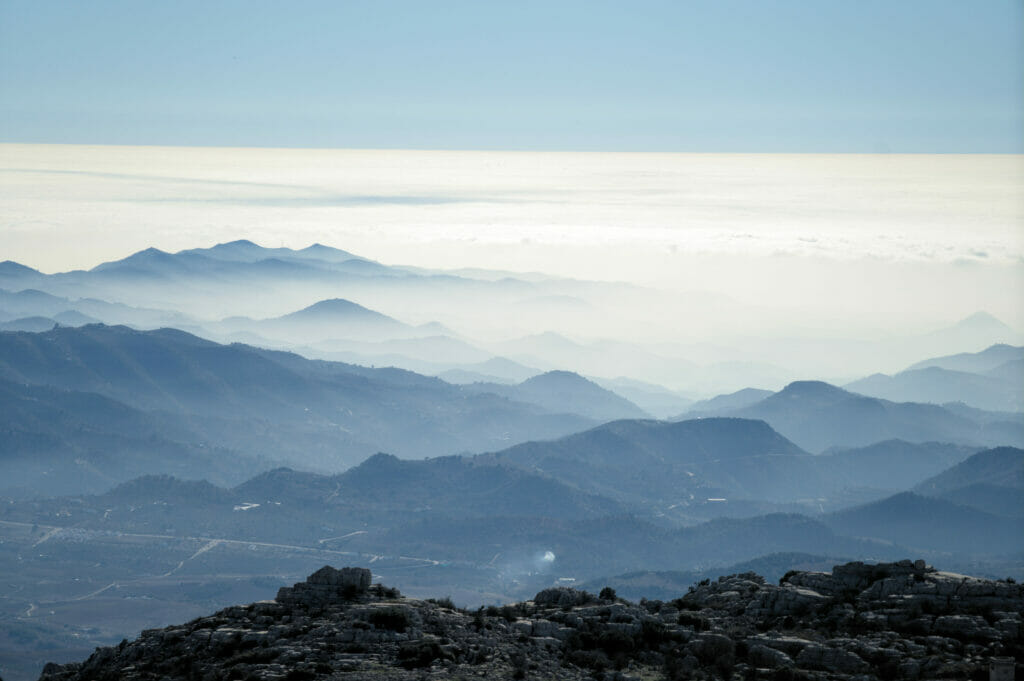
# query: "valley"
{"type": "Point", "coordinates": [158, 465]}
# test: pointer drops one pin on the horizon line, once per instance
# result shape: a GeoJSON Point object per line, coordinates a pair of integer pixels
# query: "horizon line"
{"type": "Point", "coordinates": [4, 143]}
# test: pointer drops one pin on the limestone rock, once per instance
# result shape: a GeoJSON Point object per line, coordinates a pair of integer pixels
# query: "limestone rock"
{"type": "Point", "coordinates": [861, 622]}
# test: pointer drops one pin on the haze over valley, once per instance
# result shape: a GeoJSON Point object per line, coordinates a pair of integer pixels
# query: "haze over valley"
{"type": "Point", "coordinates": [592, 341]}
{"type": "Point", "coordinates": [163, 455]}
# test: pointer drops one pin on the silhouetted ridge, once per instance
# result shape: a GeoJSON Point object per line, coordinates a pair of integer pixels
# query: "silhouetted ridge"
{"type": "Point", "coordinates": [381, 468]}
{"type": "Point", "coordinates": [922, 522]}
{"type": "Point", "coordinates": [1001, 466]}
{"type": "Point", "coordinates": [336, 307]}
{"type": "Point", "coordinates": [568, 392]}
{"type": "Point", "coordinates": [16, 269]}
{"type": "Point", "coordinates": [338, 624]}
{"type": "Point", "coordinates": [154, 488]}
{"type": "Point", "coordinates": [641, 460]}
{"type": "Point", "coordinates": [274, 404]}
{"type": "Point", "coordinates": [817, 416]}
{"type": "Point", "coordinates": [816, 390]}
{"type": "Point", "coordinates": [555, 377]}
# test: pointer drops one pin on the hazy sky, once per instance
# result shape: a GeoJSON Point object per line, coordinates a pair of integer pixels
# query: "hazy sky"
{"type": "Point", "coordinates": [886, 236]}
{"type": "Point", "coordinates": [909, 239]}
{"type": "Point", "coordinates": [714, 75]}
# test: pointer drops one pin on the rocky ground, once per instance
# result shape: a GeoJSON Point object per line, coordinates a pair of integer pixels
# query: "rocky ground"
{"type": "Point", "coordinates": [889, 621]}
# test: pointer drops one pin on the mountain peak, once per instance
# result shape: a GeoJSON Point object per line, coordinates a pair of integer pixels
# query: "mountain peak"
{"type": "Point", "coordinates": [816, 389]}
{"type": "Point", "coordinates": [323, 252]}
{"type": "Point", "coordinates": [558, 375]}
{"type": "Point", "coordinates": [379, 459]}
{"type": "Point", "coordinates": [336, 304]}
{"type": "Point", "coordinates": [12, 268]}
{"type": "Point", "coordinates": [149, 252]}
{"type": "Point", "coordinates": [977, 329]}
{"type": "Point", "coordinates": [561, 390]}
{"type": "Point", "coordinates": [144, 257]}
{"type": "Point", "coordinates": [981, 318]}
{"type": "Point", "coordinates": [337, 308]}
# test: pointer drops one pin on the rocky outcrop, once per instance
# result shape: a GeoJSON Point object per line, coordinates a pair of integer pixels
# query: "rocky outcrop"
{"type": "Point", "coordinates": [891, 621]}
{"type": "Point", "coordinates": [325, 586]}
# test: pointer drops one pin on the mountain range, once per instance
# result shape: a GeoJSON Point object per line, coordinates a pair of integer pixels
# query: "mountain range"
{"type": "Point", "coordinates": [597, 329]}
{"type": "Point", "coordinates": [992, 379]}
{"type": "Point", "coordinates": [267, 404]}
{"type": "Point", "coordinates": [181, 430]}
{"type": "Point", "coordinates": [817, 415]}
{"type": "Point", "coordinates": [565, 391]}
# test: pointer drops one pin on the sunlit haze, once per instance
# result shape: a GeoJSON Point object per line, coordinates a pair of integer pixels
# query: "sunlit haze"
{"type": "Point", "coordinates": [848, 243]}
{"type": "Point", "coordinates": [582, 339]}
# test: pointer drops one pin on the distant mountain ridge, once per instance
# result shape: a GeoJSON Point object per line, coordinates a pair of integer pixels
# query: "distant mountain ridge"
{"type": "Point", "coordinates": [926, 523]}
{"type": "Point", "coordinates": [817, 415]}
{"type": "Point", "coordinates": [247, 251]}
{"type": "Point", "coordinates": [737, 400]}
{"type": "Point", "coordinates": [58, 442]}
{"type": "Point", "coordinates": [992, 379]}
{"type": "Point", "coordinates": [641, 461]}
{"type": "Point", "coordinates": [1002, 466]}
{"type": "Point", "coordinates": [279, 405]}
{"type": "Point", "coordinates": [333, 318]}
{"type": "Point", "coordinates": [974, 362]}
{"type": "Point", "coordinates": [566, 391]}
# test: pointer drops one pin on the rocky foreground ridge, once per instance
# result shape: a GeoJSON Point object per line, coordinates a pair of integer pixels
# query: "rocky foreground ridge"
{"type": "Point", "coordinates": [890, 621]}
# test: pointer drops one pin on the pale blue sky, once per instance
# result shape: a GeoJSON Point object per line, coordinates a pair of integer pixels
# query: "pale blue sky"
{"type": "Point", "coordinates": [722, 75]}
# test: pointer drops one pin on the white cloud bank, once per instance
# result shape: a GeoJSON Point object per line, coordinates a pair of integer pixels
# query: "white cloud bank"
{"type": "Point", "coordinates": [930, 236]}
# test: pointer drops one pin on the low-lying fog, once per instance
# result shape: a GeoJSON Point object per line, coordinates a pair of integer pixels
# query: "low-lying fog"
{"type": "Point", "coordinates": [795, 261]}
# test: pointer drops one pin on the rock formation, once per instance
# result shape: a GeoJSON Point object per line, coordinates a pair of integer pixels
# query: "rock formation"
{"type": "Point", "coordinates": [890, 621]}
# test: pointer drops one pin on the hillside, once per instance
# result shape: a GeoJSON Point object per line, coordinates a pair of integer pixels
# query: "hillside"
{"type": "Point", "coordinates": [816, 416]}
{"type": "Point", "coordinates": [565, 391]}
{"type": "Point", "coordinates": [666, 585]}
{"type": "Point", "coordinates": [78, 311]}
{"type": "Point", "coordinates": [663, 463]}
{"type": "Point", "coordinates": [924, 523]}
{"type": "Point", "coordinates": [283, 505]}
{"type": "Point", "coordinates": [58, 442]}
{"type": "Point", "coordinates": [975, 362]}
{"type": "Point", "coordinates": [334, 318]}
{"type": "Point", "coordinates": [279, 405]}
{"type": "Point", "coordinates": [336, 624]}
{"type": "Point", "coordinates": [998, 500]}
{"type": "Point", "coordinates": [1002, 466]}
{"type": "Point", "coordinates": [721, 403]}
{"type": "Point", "coordinates": [893, 464]}
{"type": "Point", "coordinates": [1003, 391]}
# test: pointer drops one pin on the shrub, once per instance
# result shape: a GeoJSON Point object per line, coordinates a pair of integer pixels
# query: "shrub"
{"type": "Point", "coordinates": [382, 592]}
{"type": "Point", "coordinates": [392, 619]}
{"type": "Point", "coordinates": [696, 621]}
{"type": "Point", "coordinates": [652, 606]}
{"type": "Point", "coordinates": [519, 665]}
{"type": "Point", "coordinates": [414, 654]}
{"type": "Point", "coordinates": [299, 675]}
{"type": "Point", "coordinates": [607, 594]}
{"type": "Point", "coordinates": [445, 602]}
{"type": "Point", "coordinates": [652, 634]}
{"type": "Point", "coordinates": [595, 660]}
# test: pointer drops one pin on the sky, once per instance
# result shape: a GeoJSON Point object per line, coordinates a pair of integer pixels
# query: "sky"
{"type": "Point", "coordinates": [843, 241]}
{"type": "Point", "coordinates": [837, 157]}
{"type": "Point", "coordinates": [870, 76]}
